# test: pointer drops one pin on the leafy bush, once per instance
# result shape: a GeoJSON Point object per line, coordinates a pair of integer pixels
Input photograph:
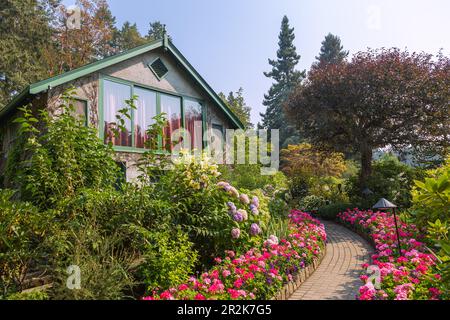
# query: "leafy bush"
{"type": "Point", "coordinates": [115, 209]}
{"type": "Point", "coordinates": [431, 210]}
{"type": "Point", "coordinates": [439, 233]}
{"type": "Point", "coordinates": [311, 203]}
{"type": "Point", "coordinates": [330, 211]}
{"type": "Point", "coordinates": [52, 164]}
{"type": "Point", "coordinates": [248, 176]}
{"type": "Point", "coordinates": [169, 258]}
{"type": "Point", "coordinates": [104, 263]}
{"type": "Point", "coordinates": [390, 179]}
{"type": "Point", "coordinates": [308, 169]}
{"type": "Point", "coordinates": [22, 229]}
{"type": "Point", "coordinates": [29, 295]}
{"type": "Point", "coordinates": [205, 208]}
{"type": "Point", "coordinates": [431, 197]}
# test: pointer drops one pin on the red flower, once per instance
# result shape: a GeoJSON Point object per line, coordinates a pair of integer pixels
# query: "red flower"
{"type": "Point", "coordinates": [238, 283]}
{"type": "Point", "coordinates": [199, 296]}
{"type": "Point", "coordinates": [183, 287]}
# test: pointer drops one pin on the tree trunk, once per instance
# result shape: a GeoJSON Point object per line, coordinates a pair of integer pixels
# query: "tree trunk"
{"type": "Point", "coordinates": [366, 165]}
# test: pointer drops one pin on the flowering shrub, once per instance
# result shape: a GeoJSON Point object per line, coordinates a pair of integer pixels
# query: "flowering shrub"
{"type": "Point", "coordinates": [248, 215]}
{"type": "Point", "coordinates": [409, 276]}
{"type": "Point", "coordinates": [215, 215]}
{"type": "Point", "coordinates": [261, 271]}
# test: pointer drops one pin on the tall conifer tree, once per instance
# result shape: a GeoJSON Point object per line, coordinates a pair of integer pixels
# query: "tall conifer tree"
{"type": "Point", "coordinates": [286, 78]}
{"type": "Point", "coordinates": [332, 51]}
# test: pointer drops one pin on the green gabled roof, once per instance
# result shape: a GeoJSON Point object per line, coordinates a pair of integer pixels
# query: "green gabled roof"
{"type": "Point", "coordinates": [43, 85]}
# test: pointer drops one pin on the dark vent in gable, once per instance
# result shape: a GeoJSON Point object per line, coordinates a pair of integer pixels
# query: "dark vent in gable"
{"type": "Point", "coordinates": [158, 68]}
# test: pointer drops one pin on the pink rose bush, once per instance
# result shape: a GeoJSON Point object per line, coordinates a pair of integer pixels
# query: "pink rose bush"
{"type": "Point", "coordinates": [409, 276]}
{"type": "Point", "coordinates": [259, 272]}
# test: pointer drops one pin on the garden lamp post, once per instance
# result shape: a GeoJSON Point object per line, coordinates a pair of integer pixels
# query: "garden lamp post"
{"type": "Point", "coordinates": [383, 204]}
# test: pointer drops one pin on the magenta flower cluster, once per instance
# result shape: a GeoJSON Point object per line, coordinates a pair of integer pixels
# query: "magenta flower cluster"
{"type": "Point", "coordinates": [259, 272]}
{"type": "Point", "coordinates": [412, 275]}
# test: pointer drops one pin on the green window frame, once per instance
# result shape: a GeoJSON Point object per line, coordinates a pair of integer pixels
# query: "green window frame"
{"type": "Point", "coordinates": [158, 92]}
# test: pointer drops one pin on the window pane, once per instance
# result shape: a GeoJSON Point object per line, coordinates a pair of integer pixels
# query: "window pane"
{"type": "Point", "coordinates": [171, 106]}
{"type": "Point", "coordinates": [81, 110]}
{"type": "Point", "coordinates": [143, 115]}
{"type": "Point", "coordinates": [193, 122]}
{"type": "Point", "coordinates": [114, 98]}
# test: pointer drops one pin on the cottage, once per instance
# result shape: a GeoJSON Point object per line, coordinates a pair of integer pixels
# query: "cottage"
{"type": "Point", "coordinates": [156, 72]}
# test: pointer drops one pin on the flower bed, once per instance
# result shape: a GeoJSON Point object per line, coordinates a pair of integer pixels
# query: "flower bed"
{"type": "Point", "coordinates": [260, 272]}
{"type": "Point", "coordinates": [409, 276]}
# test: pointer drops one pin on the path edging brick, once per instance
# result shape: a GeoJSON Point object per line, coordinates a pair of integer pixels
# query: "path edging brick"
{"type": "Point", "coordinates": [289, 288]}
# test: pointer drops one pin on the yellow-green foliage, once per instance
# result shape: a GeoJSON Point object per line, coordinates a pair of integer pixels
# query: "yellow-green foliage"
{"type": "Point", "coordinates": [312, 171]}
{"type": "Point", "coordinates": [431, 197]}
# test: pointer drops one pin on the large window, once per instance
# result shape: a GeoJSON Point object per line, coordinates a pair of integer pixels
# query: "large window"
{"type": "Point", "coordinates": [171, 106]}
{"type": "Point", "coordinates": [148, 104]}
{"type": "Point", "coordinates": [193, 122]}
{"type": "Point", "coordinates": [143, 115]}
{"type": "Point", "coordinates": [114, 98]}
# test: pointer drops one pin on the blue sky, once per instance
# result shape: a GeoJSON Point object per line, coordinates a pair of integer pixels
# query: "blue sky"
{"type": "Point", "coordinates": [229, 41]}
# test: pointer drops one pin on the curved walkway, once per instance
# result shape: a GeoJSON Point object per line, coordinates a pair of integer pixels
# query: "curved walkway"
{"type": "Point", "coordinates": [337, 277]}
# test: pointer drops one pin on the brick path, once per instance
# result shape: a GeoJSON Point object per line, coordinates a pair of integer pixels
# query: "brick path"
{"type": "Point", "coordinates": [337, 277]}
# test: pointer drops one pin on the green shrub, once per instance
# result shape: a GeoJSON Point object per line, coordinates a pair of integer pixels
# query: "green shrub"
{"type": "Point", "coordinates": [309, 167]}
{"type": "Point", "coordinates": [311, 203]}
{"type": "Point", "coordinates": [439, 233]}
{"type": "Point", "coordinates": [278, 207]}
{"type": "Point", "coordinates": [330, 211]}
{"type": "Point", "coordinates": [113, 209]}
{"type": "Point", "coordinates": [431, 197]}
{"type": "Point", "coordinates": [22, 230]}
{"type": "Point", "coordinates": [390, 179]}
{"type": "Point", "coordinates": [29, 295]}
{"type": "Point", "coordinates": [199, 207]}
{"type": "Point", "coordinates": [52, 164]}
{"type": "Point", "coordinates": [104, 263]}
{"type": "Point", "coordinates": [248, 176]}
{"type": "Point", "coordinates": [431, 210]}
{"type": "Point", "coordinates": [168, 258]}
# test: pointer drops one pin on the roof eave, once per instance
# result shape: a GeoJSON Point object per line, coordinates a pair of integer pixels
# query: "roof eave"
{"type": "Point", "coordinates": [17, 101]}
{"type": "Point", "coordinates": [44, 85]}
{"type": "Point", "coordinates": [92, 67]}
{"type": "Point", "coordinates": [179, 56]}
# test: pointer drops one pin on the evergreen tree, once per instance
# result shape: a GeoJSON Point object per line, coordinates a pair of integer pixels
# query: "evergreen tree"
{"type": "Point", "coordinates": [156, 31]}
{"type": "Point", "coordinates": [129, 37]}
{"type": "Point", "coordinates": [25, 33]}
{"type": "Point", "coordinates": [286, 78]}
{"type": "Point", "coordinates": [236, 102]}
{"type": "Point", "coordinates": [331, 52]}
